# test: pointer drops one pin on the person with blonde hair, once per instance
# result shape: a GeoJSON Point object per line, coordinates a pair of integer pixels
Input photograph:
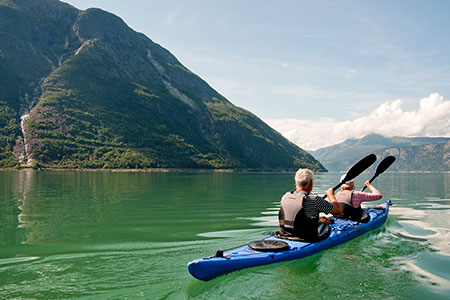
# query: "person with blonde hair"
{"type": "Point", "coordinates": [350, 201]}
{"type": "Point", "coordinates": [299, 211]}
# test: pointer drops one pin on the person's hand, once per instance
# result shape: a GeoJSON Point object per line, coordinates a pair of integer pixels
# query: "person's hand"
{"type": "Point", "coordinates": [367, 183]}
{"type": "Point", "coordinates": [330, 193]}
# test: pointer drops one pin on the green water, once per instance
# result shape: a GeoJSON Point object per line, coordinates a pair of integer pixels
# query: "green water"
{"type": "Point", "coordinates": [108, 235]}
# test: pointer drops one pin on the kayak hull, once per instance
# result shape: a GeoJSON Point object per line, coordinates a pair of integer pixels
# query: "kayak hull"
{"type": "Point", "coordinates": [342, 231]}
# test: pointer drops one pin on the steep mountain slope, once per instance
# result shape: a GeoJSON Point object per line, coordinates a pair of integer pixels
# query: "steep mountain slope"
{"type": "Point", "coordinates": [88, 91]}
{"type": "Point", "coordinates": [339, 157]}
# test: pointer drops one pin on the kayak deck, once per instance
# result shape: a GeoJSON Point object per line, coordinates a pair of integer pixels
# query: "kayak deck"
{"type": "Point", "coordinates": [244, 257]}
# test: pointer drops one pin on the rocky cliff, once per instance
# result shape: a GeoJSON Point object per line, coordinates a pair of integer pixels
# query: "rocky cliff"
{"type": "Point", "coordinates": [421, 158]}
{"type": "Point", "coordinates": [413, 154]}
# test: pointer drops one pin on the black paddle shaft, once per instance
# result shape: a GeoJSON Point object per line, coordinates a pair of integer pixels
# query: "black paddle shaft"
{"type": "Point", "coordinates": [382, 166]}
{"type": "Point", "coordinates": [357, 169]}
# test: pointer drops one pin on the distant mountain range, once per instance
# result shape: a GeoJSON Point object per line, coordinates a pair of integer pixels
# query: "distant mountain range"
{"type": "Point", "coordinates": [413, 154]}
{"type": "Point", "coordinates": [421, 158]}
{"type": "Point", "coordinates": [80, 89]}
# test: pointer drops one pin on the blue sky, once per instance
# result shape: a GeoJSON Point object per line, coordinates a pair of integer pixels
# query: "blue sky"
{"type": "Point", "coordinates": [317, 71]}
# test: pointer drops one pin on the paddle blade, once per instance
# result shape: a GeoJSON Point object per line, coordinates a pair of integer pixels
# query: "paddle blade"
{"type": "Point", "coordinates": [357, 169]}
{"type": "Point", "coordinates": [384, 164]}
{"type": "Point", "coordinates": [360, 167]}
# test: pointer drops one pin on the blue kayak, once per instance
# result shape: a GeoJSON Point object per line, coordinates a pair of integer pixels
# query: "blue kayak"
{"type": "Point", "coordinates": [245, 257]}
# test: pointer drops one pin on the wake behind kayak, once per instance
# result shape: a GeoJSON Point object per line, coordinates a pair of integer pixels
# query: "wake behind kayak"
{"type": "Point", "coordinates": [245, 257]}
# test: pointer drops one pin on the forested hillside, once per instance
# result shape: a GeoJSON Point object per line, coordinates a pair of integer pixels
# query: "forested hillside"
{"type": "Point", "coordinates": [80, 89]}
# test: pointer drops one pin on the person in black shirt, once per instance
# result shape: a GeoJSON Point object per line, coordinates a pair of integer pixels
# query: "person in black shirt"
{"type": "Point", "coordinates": [299, 212]}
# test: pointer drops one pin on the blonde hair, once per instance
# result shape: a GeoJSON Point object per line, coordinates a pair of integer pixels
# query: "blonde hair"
{"type": "Point", "coordinates": [303, 178]}
{"type": "Point", "coordinates": [349, 185]}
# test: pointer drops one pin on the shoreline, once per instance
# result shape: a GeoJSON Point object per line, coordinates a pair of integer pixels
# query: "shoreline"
{"type": "Point", "coordinates": [153, 170]}
{"type": "Point", "coordinates": [190, 170]}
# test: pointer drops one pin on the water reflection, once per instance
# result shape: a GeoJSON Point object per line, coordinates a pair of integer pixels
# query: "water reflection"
{"type": "Point", "coordinates": [23, 186]}
{"type": "Point", "coordinates": [16, 189]}
{"type": "Point", "coordinates": [421, 212]}
{"type": "Point", "coordinates": [77, 234]}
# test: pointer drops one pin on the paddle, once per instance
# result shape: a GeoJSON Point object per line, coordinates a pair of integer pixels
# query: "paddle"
{"type": "Point", "coordinates": [357, 169]}
{"type": "Point", "coordinates": [382, 166]}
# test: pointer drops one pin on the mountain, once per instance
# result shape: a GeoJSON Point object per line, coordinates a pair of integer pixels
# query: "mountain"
{"type": "Point", "coordinates": [421, 158]}
{"type": "Point", "coordinates": [82, 89]}
{"type": "Point", "coordinates": [341, 156]}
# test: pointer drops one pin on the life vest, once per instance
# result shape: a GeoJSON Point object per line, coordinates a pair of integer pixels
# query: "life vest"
{"type": "Point", "coordinates": [292, 216]}
{"type": "Point", "coordinates": [348, 210]}
{"type": "Point", "coordinates": [291, 204]}
{"type": "Point", "coordinates": [344, 197]}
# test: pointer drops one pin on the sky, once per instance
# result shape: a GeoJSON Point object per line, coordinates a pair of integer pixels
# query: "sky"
{"type": "Point", "coordinates": [318, 72]}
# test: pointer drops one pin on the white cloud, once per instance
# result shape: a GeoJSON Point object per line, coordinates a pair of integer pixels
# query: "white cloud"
{"type": "Point", "coordinates": [432, 118]}
{"type": "Point", "coordinates": [389, 119]}
{"type": "Point", "coordinates": [307, 134]}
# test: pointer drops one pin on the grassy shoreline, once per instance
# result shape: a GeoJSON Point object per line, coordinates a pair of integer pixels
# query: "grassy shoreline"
{"type": "Point", "coordinates": [151, 170]}
{"type": "Point", "coordinates": [190, 170]}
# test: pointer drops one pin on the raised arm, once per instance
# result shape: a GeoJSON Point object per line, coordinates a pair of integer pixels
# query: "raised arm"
{"type": "Point", "coordinates": [371, 187]}
{"type": "Point", "coordinates": [359, 197]}
{"type": "Point", "coordinates": [337, 208]}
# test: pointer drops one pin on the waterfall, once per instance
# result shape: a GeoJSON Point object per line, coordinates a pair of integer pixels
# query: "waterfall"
{"type": "Point", "coordinates": [24, 158]}
{"type": "Point", "coordinates": [22, 148]}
